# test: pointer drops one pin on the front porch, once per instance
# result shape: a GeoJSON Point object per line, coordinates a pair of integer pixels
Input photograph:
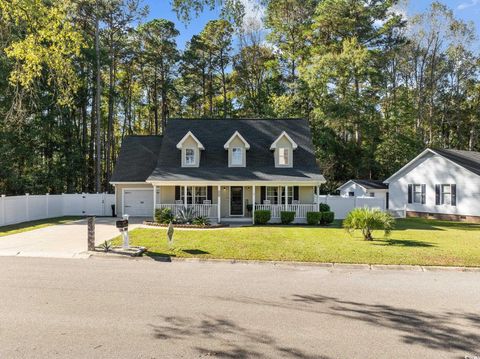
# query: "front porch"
{"type": "Point", "coordinates": [231, 202]}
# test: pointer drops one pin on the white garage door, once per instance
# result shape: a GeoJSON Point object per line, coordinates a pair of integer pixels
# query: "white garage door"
{"type": "Point", "coordinates": [138, 202]}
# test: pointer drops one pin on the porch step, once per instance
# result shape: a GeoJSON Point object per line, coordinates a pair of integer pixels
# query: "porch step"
{"type": "Point", "coordinates": [236, 221]}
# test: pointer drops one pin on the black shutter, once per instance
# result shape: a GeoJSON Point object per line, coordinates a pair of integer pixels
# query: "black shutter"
{"type": "Point", "coordinates": [453, 189]}
{"type": "Point", "coordinates": [209, 193]}
{"type": "Point", "coordinates": [263, 194]}
{"type": "Point", "coordinates": [387, 200]}
{"type": "Point", "coordinates": [410, 193]}
{"type": "Point", "coordinates": [177, 193]}
{"type": "Point", "coordinates": [424, 191]}
{"type": "Point", "coordinates": [295, 193]}
{"type": "Point", "coordinates": [437, 194]}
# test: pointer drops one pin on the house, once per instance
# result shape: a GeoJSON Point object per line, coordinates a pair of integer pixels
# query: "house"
{"type": "Point", "coordinates": [223, 169]}
{"type": "Point", "coordinates": [363, 188]}
{"type": "Point", "coordinates": [442, 184]}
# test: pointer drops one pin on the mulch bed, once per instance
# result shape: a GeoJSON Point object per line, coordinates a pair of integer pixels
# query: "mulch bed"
{"type": "Point", "coordinates": [193, 226]}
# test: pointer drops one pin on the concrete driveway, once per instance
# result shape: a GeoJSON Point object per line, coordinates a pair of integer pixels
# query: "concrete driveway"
{"type": "Point", "coordinates": [67, 240]}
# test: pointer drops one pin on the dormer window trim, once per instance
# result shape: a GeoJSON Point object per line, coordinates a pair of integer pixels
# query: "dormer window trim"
{"type": "Point", "coordinates": [236, 134]}
{"type": "Point", "coordinates": [284, 134]}
{"type": "Point", "coordinates": [187, 163]}
{"type": "Point", "coordinates": [190, 134]}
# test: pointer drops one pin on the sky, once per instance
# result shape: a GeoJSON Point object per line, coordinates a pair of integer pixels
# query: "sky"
{"type": "Point", "coordinates": [467, 10]}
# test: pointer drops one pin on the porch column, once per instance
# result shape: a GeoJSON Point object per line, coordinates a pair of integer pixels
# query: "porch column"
{"type": "Point", "coordinates": [219, 192]}
{"type": "Point", "coordinates": [286, 198]}
{"type": "Point", "coordinates": [185, 203]}
{"type": "Point", "coordinates": [253, 204]}
{"type": "Point", "coordinates": [154, 200]}
{"type": "Point", "coordinates": [317, 199]}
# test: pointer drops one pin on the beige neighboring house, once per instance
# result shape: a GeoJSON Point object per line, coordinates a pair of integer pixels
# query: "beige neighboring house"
{"type": "Point", "coordinates": [224, 169]}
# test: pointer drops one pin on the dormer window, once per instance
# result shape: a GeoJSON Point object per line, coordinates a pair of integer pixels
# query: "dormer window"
{"type": "Point", "coordinates": [237, 156]}
{"type": "Point", "coordinates": [283, 156]}
{"type": "Point", "coordinates": [189, 156]}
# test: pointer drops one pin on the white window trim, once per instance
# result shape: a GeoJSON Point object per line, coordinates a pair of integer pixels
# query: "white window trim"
{"type": "Point", "coordinates": [189, 134]}
{"type": "Point", "coordinates": [232, 162]}
{"type": "Point", "coordinates": [442, 194]}
{"type": "Point", "coordinates": [194, 157]}
{"type": "Point", "coordinates": [420, 192]}
{"type": "Point", "coordinates": [287, 157]}
{"type": "Point", "coordinates": [283, 134]}
{"type": "Point", "coordinates": [236, 134]}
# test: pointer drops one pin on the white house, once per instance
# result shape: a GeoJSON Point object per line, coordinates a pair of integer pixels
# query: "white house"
{"type": "Point", "coordinates": [363, 188]}
{"type": "Point", "coordinates": [441, 184]}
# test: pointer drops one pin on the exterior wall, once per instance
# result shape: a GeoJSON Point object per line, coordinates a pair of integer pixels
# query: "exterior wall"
{"type": "Point", "coordinates": [432, 170]}
{"type": "Point", "coordinates": [190, 143]}
{"type": "Point", "coordinates": [237, 142]}
{"type": "Point", "coordinates": [306, 194]}
{"type": "Point", "coordinates": [444, 217]}
{"type": "Point", "coordinates": [118, 194]}
{"type": "Point", "coordinates": [284, 142]}
{"type": "Point", "coordinates": [359, 191]}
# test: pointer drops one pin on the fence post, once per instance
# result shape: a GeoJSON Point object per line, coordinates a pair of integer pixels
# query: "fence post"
{"type": "Point", "coordinates": [3, 210]}
{"type": "Point", "coordinates": [27, 206]}
{"type": "Point", "coordinates": [91, 233]}
{"type": "Point", "coordinates": [46, 206]}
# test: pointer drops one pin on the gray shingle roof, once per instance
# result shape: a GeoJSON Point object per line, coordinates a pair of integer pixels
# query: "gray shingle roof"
{"type": "Point", "coordinates": [469, 160]}
{"type": "Point", "coordinates": [259, 133]}
{"type": "Point", "coordinates": [137, 159]}
{"type": "Point", "coordinates": [371, 184]}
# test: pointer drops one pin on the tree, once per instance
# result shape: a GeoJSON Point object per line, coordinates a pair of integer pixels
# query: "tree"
{"type": "Point", "coordinates": [368, 220]}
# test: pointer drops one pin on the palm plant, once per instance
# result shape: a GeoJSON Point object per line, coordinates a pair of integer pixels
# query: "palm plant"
{"type": "Point", "coordinates": [368, 220]}
{"type": "Point", "coordinates": [186, 215]}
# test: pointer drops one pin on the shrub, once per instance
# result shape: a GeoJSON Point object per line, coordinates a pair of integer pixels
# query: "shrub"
{"type": "Point", "coordinates": [201, 221]}
{"type": "Point", "coordinates": [368, 220]}
{"type": "Point", "coordinates": [323, 207]}
{"type": "Point", "coordinates": [163, 215]}
{"type": "Point", "coordinates": [262, 216]}
{"type": "Point", "coordinates": [185, 215]}
{"type": "Point", "coordinates": [287, 217]}
{"type": "Point", "coordinates": [313, 218]}
{"type": "Point", "coordinates": [327, 217]}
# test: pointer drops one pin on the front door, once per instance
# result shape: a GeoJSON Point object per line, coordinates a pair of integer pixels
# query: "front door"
{"type": "Point", "coordinates": [236, 201]}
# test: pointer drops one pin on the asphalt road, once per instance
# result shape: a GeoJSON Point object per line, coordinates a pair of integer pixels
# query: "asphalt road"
{"type": "Point", "coordinates": [113, 308]}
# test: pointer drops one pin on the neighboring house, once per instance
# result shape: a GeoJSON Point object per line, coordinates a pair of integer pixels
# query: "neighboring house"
{"type": "Point", "coordinates": [364, 188]}
{"type": "Point", "coordinates": [221, 168]}
{"type": "Point", "coordinates": [442, 184]}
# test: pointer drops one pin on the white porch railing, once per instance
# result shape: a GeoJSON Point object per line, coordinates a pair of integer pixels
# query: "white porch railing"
{"type": "Point", "coordinates": [299, 209]}
{"type": "Point", "coordinates": [204, 210]}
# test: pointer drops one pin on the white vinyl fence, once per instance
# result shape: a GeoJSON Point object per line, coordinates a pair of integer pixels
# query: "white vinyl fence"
{"type": "Point", "coordinates": [342, 205]}
{"type": "Point", "coordinates": [18, 209]}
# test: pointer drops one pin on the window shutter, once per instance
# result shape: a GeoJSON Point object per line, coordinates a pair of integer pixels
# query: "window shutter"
{"type": "Point", "coordinates": [295, 193]}
{"type": "Point", "coordinates": [177, 193]}
{"type": "Point", "coordinates": [454, 194]}
{"type": "Point", "coordinates": [209, 193]}
{"type": "Point", "coordinates": [263, 194]}
{"type": "Point", "coordinates": [410, 193]}
{"type": "Point", "coordinates": [424, 190]}
{"type": "Point", "coordinates": [437, 194]}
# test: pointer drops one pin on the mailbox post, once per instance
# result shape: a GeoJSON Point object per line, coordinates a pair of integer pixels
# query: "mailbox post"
{"type": "Point", "coordinates": [91, 233]}
{"type": "Point", "coordinates": [122, 226]}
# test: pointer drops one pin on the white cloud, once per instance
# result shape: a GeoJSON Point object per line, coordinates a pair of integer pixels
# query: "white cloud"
{"type": "Point", "coordinates": [254, 13]}
{"type": "Point", "coordinates": [468, 4]}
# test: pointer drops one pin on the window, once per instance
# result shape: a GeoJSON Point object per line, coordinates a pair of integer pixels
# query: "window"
{"type": "Point", "coordinates": [189, 156]}
{"type": "Point", "coordinates": [189, 194]}
{"type": "Point", "coordinates": [272, 195]}
{"type": "Point", "coordinates": [371, 194]}
{"type": "Point", "coordinates": [200, 194]}
{"type": "Point", "coordinates": [290, 195]}
{"type": "Point", "coordinates": [416, 193]}
{"type": "Point", "coordinates": [351, 194]}
{"type": "Point", "coordinates": [237, 156]}
{"type": "Point", "coordinates": [283, 156]}
{"type": "Point", "coordinates": [446, 194]}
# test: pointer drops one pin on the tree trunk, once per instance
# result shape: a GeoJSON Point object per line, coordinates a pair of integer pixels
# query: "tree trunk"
{"type": "Point", "coordinates": [97, 102]}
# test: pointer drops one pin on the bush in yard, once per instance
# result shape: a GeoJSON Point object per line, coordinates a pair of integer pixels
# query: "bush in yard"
{"type": "Point", "coordinates": [323, 207]}
{"type": "Point", "coordinates": [262, 216]}
{"type": "Point", "coordinates": [186, 215]}
{"type": "Point", "coordinates": [327, 217]}
{"type": "Point", "coordinates": [163, 215]}
{"type": "Point", "coordinates": [287, 217]}
{"type": "Point", "coordinates": [201, 221]}
{"type": "Point", "coordinates": [313, 218]}
{"type": "Point", "coordinates": [368, 220]}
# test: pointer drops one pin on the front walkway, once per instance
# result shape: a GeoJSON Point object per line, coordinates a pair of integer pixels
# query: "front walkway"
{"type": "Point", "coordinates": [67, 240]}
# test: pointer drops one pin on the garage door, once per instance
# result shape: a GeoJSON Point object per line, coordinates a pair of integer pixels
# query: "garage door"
{"type": "Point", "coordinates": [138, 202]}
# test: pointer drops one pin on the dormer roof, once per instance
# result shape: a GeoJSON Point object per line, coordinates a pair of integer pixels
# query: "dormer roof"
{"type": "Point", "coordinates": [236, 134]}
{"type": "Point", "coordinates": [190, 134]}
{"type": "Point", "coordinates": [283, 134]}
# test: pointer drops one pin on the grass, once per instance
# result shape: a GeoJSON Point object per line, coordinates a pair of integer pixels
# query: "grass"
{"type": "Point", "coordinates": [414, 241]}
{"type": "Point", "coordinates": [30, 226]}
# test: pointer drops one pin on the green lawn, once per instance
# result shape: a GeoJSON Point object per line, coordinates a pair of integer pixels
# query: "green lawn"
{"type": "Point", "coordinates": [414, 241]}
{"type": "Point", "coordinates": [29, 226]}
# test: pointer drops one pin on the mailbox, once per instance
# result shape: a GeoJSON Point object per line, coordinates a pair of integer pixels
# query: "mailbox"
{"type": "Point", "coordinates": [122, 224]}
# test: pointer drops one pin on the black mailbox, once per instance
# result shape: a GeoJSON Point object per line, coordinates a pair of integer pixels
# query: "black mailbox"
{"type": "Point", "coordinates": [122, 224]}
